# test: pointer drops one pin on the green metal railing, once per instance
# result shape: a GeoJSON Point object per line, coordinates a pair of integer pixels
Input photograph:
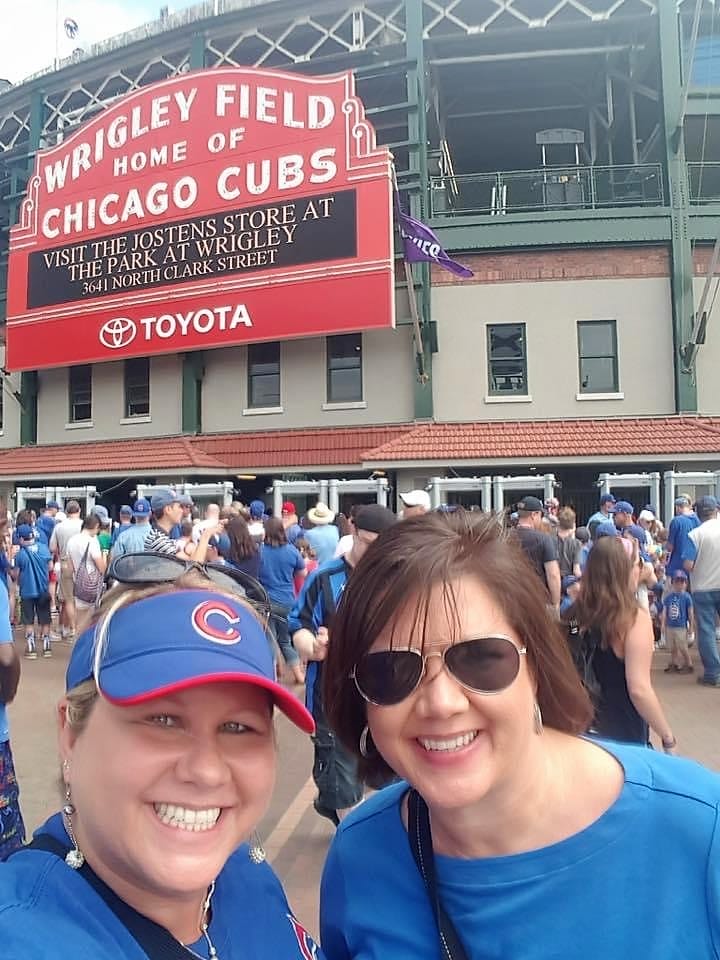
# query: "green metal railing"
{"type": "Point", "coordinates": [549, 188]}
{"type": "Point", "coordinates": [704, 179]}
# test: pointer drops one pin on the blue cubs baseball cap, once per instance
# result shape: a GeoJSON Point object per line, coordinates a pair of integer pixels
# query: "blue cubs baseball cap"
{"type": "Point", "coordinates": [52, 505]}
{"type": "Point", "coordinates": [126, 510]}
{"type": "Point", "coordinates": [607, 498]}
{"type": "Point", "coordinates": [606, 529]}
{"type": "Point", "coordinates": [174, 641]}
{"type": "Point", "coordinates": [141, 507]}
{"type": "Point", "coordinates": [257, 509]}
{"type": "Point", "coordinates": [624, 506]}
{"type": "Point", "coordinates": [25, 532]}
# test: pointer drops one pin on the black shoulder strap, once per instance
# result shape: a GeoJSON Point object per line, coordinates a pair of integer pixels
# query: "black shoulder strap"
{"type": "Point", "coordinates": [155, 940]}
{"type": "Point", "coordinates": [420, 839]}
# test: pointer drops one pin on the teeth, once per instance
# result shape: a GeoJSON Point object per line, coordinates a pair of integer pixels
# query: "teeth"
{"type": "Point", "coordinates": [185, 819]}
{"type": "Point", "coordinates": [455, 744]}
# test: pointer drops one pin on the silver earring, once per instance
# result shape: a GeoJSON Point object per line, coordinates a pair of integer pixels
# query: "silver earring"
{"type": "Point", "coordinates": [73, 858]}
{"type": "Point", "coordinates": [256, 853]}
{"type": "Point", "coordinates": [537, 719]}
{"type": "Point", "coordinates": [365, 738]}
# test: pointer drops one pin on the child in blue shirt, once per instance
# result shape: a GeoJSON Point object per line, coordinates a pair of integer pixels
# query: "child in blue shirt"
{"type": "Point", "coordinates": [32, 571]}
{"type": "Point", "coordinates": [678, 619]}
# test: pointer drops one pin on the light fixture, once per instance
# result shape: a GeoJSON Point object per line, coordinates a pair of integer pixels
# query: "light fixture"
{"type": "Point", "coordinates": [246, 476]}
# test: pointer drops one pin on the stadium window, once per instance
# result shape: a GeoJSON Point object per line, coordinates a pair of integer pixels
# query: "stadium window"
{"type": "Point", "coordinates": [507, 359]}
{"type": "Point", "coordinates": [137, 387]}
{"type": "Point", "coordinates": [344, 368]}
{"type": "Point", "coordinates": [597, 356]}
{"type": "Point", "coordinates": [80, 393]}
{"type": "Point", "coordinates": [264, 375]}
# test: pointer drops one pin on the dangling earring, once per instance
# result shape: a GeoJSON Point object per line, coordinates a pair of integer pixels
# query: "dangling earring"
{"type": "Point", "coordinates": [256, 853]}
{"type": "Point", "coordinates": [365, 739]}
{"type": "Point", "coordinates": [537, 719]}
{"type": "Point", "coordinates": [73, 858]}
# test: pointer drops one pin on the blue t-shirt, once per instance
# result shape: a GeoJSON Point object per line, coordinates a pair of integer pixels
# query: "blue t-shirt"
{"type": "Point", "coordinates": [642, 881]}
{"type": "Point", "coordinates": [678, 540]}
{"type": "Point", "coordinates": [278, 566]}
{"type": "Point", "coordinates": [34, 577]}
{"type": "Point", "coordinates": [48, 912]}
{"type": "Point", "coordinates": [5, 637]}
{"type": "Point", "coordinates": [44, 526]}
{"type": "Point", "coordinates": [131, 540]}
{"type": "Point", "coordinates": [678, 607]}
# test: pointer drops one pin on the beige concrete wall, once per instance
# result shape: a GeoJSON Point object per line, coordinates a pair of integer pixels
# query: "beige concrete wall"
{"type": "Point", "coordinates": [108, 411]}
{"type": "Point", "coordinates": [388, 376]}
{"type": "Point", "coordinates": [551, 309]}
{"type": "Point", "coordinates": [10, 433]}
{"type": "Point", "coordinates": [708, 357]}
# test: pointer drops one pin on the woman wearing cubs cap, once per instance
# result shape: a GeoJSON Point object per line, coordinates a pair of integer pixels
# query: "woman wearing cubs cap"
{"type": "Point", "coordinates": [168, 764]}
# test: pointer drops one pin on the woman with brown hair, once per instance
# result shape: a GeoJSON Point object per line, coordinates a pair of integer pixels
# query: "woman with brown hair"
{"type": "Point", "coordinates": [617, 636]}
{"type": "Point", "coordinates": [508, 828]}
{"type": "Point", "coordinates": [244, 551]}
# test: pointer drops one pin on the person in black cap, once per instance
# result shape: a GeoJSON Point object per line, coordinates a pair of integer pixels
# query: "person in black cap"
{"type": "Point", "coordinates": [539, 547]}
{"type": "Point", "coordinates": [334, 769]}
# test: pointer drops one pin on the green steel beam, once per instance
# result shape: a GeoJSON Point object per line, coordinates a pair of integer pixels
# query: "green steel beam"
{"type": "Point", "coordinates": [681, 267]}
{"type": "Point", "coordinates": [197, 51]}
{"type": "Point", "coordinates": [29, 380]}
{"type": "Point", "coordinates": [193, 371]}
{"type": "Point", "coordinates": [540, 229]}
{"type": "Point", "coordinates": [417, 131]}
{"type": "Point", "coordinates": [28, 407]}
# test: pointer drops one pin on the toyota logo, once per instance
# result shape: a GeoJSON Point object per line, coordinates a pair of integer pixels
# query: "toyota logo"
{"type": "Point", "coordinates": [117, 333]}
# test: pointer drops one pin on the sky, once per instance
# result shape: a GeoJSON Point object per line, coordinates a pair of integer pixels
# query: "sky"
{"type": "Point", "coordinates": [27, 38]}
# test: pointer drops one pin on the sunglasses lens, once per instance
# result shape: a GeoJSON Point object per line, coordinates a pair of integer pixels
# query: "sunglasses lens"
{"type": "Point", "coordinates": [485, 664]}
{"type": "Point", "coordinates": [388, 676]}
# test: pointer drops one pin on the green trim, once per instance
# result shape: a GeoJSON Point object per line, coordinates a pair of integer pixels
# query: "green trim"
{"type": "Point", "coordinates": [418, 181]}
{"type": "Point", "coordinates": [193, 371]}
{"type": "Point", "coordinates": [28, 407]}
{"type": "Point", "coordinates": [681, 261]}
{"type": "Point", "coordinates": [555, 229]}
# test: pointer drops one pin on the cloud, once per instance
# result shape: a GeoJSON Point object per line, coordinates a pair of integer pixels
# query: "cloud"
{"type": "Point", "coordinates": [27, 40]}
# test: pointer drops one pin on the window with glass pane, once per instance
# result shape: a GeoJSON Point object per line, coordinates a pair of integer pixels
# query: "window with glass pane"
{"type": "Point", "coordinates": [597, 352]}
{"type": "Point", "coordinates": [264, 375]}
{"type": "Point", "coordinates": [344, 368]}
{"type": "Point", "coordinates": [137, 387]}
{"type": "Point", "coordinates": [507, 359]}
{"type": "Point", "coordinates": [80, 393]}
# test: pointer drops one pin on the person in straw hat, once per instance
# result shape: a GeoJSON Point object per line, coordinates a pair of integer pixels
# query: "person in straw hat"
{"type": "Point", "coordinates": [323, 535]}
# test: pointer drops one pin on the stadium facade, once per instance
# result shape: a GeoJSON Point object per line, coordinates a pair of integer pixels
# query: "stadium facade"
{"type": "Point", "coordinates": [567, 151]}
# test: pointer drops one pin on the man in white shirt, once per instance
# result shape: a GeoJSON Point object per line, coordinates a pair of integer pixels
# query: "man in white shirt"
{"type": "Point", "coordinates": [61, 535]}
{"type": "Point", "coordinates": [702, 558]}
{"type": "Point", "coordinates": [84, 548]}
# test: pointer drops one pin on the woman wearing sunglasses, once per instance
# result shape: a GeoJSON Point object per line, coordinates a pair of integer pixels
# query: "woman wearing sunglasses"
{"type": "Point", "coordinates": [168, 764]}
{"type": "Point", "coordinates": [509, 836]}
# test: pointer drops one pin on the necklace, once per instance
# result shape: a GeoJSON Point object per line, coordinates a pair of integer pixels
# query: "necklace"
{"type": "Point", "coordinates": [212, 952]}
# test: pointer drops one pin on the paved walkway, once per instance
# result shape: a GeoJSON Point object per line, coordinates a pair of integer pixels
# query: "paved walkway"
{"type": "Point", "coordinates": [295, 838]}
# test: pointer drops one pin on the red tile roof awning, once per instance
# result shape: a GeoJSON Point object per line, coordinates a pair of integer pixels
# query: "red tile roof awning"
{"type": "Point", "coordinates": [620, 437]}
{"type": "Point", "coordinates": [209, 454]}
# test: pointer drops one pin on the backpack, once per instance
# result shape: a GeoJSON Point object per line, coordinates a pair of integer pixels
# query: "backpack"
{"type": "Point", "coordinates": [88, 580]}
{"type": "Point", "coordinates": [583, 645]}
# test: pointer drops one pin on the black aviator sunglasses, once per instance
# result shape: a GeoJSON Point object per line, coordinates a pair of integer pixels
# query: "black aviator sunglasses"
{"type": "Point", "coordinates": [486, 665]}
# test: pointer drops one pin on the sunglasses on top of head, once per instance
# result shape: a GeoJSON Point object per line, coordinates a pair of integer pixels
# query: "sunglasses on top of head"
{"type": "Point", "coordinates": [148, 569]}
{"type": "Point", "coordinates": [485, 665]}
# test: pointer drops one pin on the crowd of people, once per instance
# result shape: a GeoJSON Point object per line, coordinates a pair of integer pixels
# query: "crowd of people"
{"type": "Point", "coordinates": [486, 680]}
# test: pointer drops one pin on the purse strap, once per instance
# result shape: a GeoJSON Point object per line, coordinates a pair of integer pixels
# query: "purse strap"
{"type": "Point", "coordinates": [420, 838]}
{"type": "Point", "coordinates": [155, 940]}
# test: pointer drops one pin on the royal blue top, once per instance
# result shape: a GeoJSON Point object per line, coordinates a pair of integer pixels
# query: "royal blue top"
{"type": "Point", "coordinates": [278, 566]}
{"type": "Point", "coordinates": [5, 637]}
{"type": "Point", "coordinates": [50, 912]}
{"type": "Point", "coordinates": [33, 562]}
{"type": "Point", "coordinates": [642, 881]}
{"type": "Point", "coordinates": [678, 607]}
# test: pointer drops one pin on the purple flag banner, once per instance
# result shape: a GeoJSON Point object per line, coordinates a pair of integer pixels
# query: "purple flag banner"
{"type": "Point", "coordinates": [421, 244]}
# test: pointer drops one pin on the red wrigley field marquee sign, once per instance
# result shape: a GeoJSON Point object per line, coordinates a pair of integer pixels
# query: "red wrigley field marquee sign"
{"type": "Point", "coordinates": [220, 207]}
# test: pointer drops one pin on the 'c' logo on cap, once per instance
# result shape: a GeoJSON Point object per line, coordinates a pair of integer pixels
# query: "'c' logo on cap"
{"type": "Point", "coordinates": [219, 611]}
